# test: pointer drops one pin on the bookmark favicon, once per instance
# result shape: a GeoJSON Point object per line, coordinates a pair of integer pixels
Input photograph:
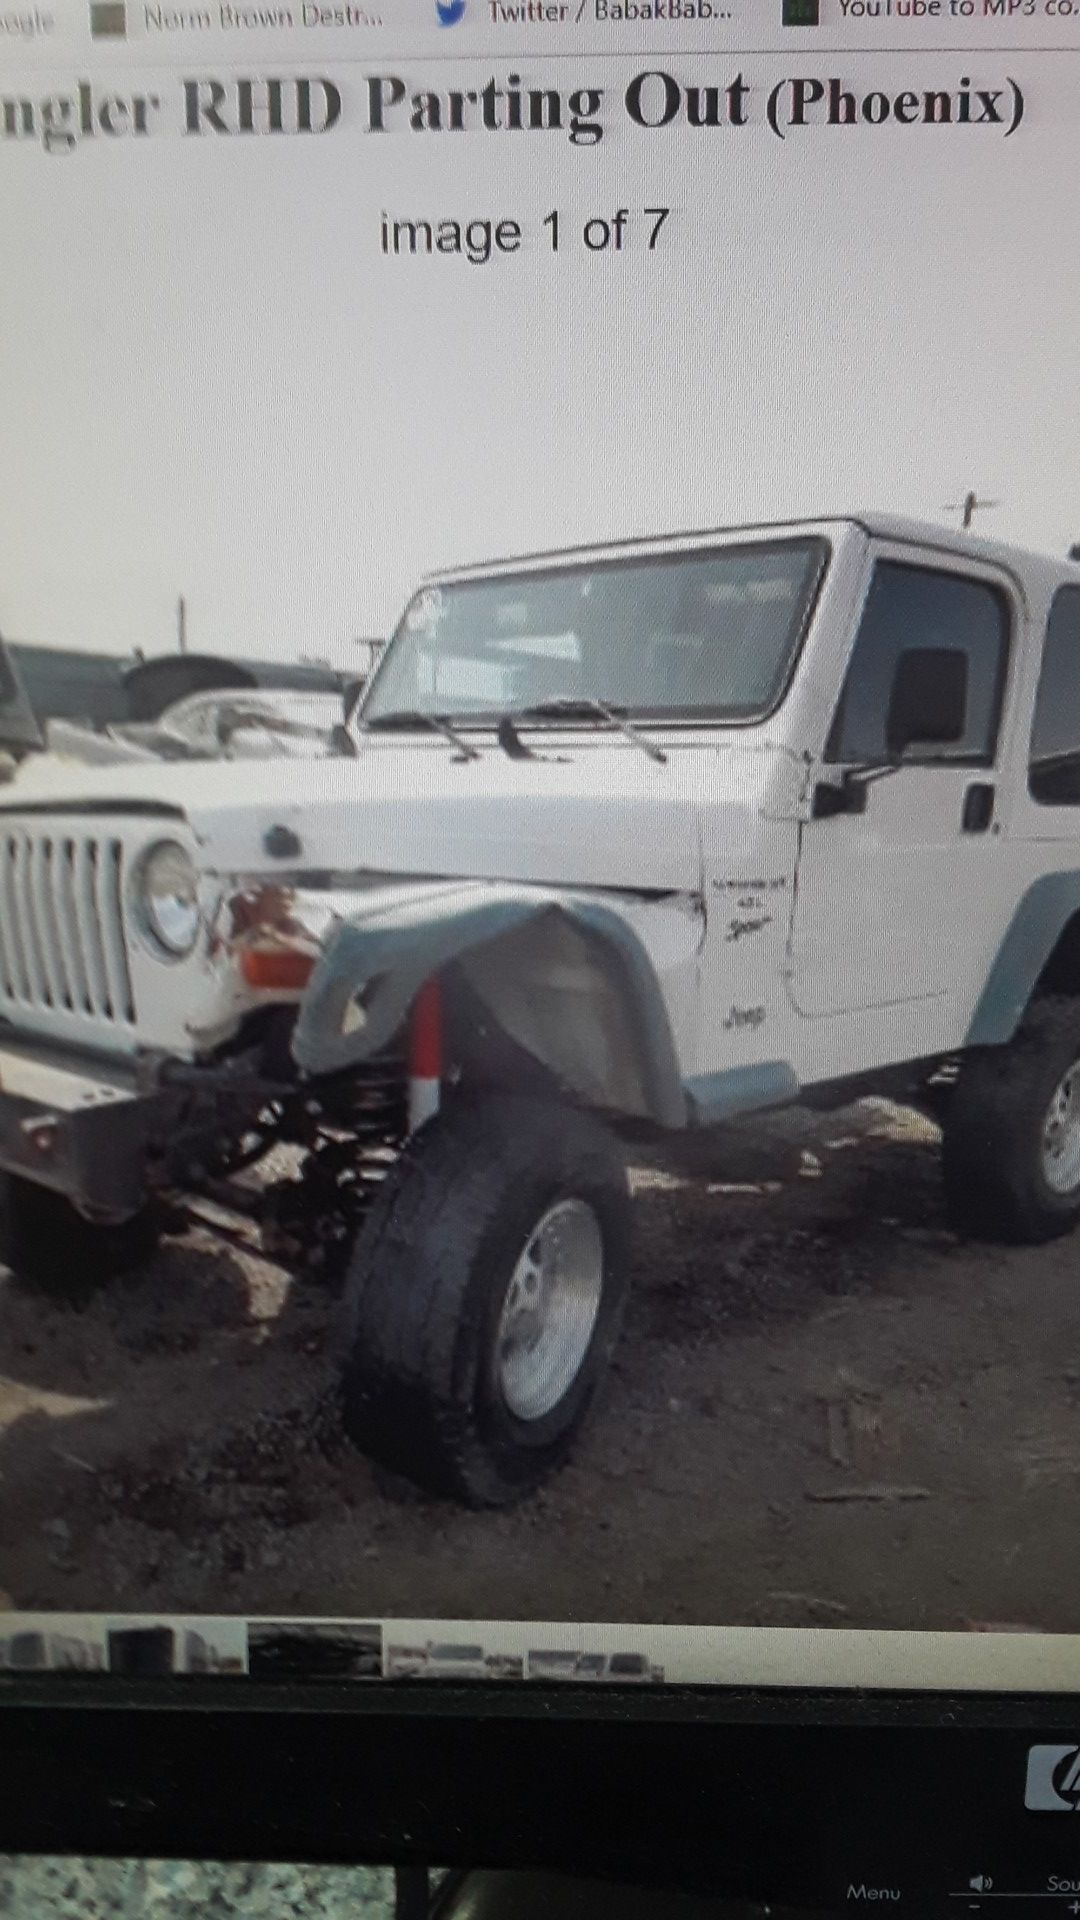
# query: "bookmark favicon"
{"type": "Point", "coordinates": [108, 20]}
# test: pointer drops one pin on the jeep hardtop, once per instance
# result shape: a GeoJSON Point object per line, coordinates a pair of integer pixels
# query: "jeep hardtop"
{"type": "Point", "coordinates": [623, 841]}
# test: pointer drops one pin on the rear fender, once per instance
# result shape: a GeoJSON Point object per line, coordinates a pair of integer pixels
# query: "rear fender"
{"type": "Point", "coordinates": [566, 977]}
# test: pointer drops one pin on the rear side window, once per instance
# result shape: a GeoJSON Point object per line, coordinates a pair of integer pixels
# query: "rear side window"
{"type": "Point", "coordinates": [1054, 769]}
{"type": "Point", "coordinates": [919, 607]}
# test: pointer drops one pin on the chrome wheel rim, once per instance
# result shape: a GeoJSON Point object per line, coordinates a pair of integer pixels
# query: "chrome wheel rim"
{"type": "Point", "coordinates": [1061, 1135]}
{"type": "Point", "coordinates": [550, 1310]}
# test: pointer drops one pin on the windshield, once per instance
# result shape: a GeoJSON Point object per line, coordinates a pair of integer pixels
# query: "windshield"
{"type": "Point", "coordinates": [673, 634]}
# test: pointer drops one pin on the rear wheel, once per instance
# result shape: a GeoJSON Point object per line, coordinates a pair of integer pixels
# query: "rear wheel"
{"type": "Point", "coordinates": [1012, 1133]}
{"type": "Point", "coordinates": [485, 1296]}
{"type": "Point", "coordinates": [47, 1243]}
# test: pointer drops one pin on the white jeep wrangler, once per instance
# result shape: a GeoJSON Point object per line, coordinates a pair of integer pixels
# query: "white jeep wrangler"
{"type": "Point", "coordinates": [629, 840]}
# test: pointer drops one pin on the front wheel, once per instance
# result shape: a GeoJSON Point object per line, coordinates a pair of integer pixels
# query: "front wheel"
{"type": "Point", "coordinates": [1012, 1133]}
{"type": "Point", "coordinates": [484, 1297]}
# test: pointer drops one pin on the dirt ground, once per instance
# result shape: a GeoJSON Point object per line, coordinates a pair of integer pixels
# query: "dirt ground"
{"type": "Point", "coordinates": [826, 1409]}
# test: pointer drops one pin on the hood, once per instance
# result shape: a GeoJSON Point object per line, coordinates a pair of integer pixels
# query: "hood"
{"type": "Point", "coordinates": [596, 815]}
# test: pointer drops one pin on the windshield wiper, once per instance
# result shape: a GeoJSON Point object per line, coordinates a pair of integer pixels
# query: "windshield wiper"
{"type": "Point", "coordinates": [573, 709]}
{"type": "Point", "coordinates": [438, 723]}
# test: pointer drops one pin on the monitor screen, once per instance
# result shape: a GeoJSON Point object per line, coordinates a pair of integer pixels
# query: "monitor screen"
{"type": "Point", "coordinates": [539, 841]}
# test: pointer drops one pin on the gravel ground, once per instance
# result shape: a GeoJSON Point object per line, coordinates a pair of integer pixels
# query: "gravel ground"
{"type": "Point", "coordinates": [74, 1889]}
{"type": "Point", "coordinates": [806, 1337]}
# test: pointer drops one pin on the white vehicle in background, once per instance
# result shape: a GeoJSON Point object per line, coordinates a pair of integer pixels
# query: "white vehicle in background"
{"type": "Point", "coordinates": [630, 841]}
{"type": "Point", "coordinates": [237, 726]}
{"type": "Point", "coordinates": [262, 725]}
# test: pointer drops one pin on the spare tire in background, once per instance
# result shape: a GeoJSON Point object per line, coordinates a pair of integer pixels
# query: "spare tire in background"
{"type": "Point", "coordinates": [156, 684]}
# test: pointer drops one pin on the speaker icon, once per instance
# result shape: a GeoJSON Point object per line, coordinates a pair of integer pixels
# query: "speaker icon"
{"type": "Point", "coordinates": [980, 1883]}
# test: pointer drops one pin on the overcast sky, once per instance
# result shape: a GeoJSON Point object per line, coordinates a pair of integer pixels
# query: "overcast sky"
{"type": "Point", "coordinates": [212, 383]}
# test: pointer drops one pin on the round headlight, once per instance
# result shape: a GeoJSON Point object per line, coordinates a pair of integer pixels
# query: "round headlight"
{"type": "Point", "coordinates": [169, 898]}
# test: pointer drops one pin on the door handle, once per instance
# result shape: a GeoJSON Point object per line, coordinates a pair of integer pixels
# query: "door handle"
{"type": "Point", "coordinates": [978, 807]}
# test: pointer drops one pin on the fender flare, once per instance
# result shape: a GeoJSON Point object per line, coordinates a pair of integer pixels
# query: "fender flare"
{"type": "Point", "coordinates": [386, 956]}
{"type": "Point", "coordinates": [1032, 934]}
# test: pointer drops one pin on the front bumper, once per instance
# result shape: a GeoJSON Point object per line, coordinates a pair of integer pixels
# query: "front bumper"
{"type": "Point", "coordinates": [84, 1127]}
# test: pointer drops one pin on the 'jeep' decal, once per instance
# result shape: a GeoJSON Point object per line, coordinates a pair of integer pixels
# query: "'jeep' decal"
{"type": "Point", "coordinates": [742, 1017]}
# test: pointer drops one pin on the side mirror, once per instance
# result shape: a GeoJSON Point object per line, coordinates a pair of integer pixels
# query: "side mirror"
{"type": "Point", "coordinates": [928, 702]}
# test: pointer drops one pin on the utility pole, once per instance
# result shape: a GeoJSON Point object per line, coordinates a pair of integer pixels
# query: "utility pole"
{"type": "Point", "coordinates": [969, 506]}
{"type": "Point", "coordinates": [181, 624]}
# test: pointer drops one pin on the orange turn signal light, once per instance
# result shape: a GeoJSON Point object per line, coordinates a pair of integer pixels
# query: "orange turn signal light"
{"type": "Point", "coordinates": [279, 968]}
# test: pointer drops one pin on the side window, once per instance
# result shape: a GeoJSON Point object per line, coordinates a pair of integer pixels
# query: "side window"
{"type": "Point", "coordinates": [917, 607]}
{"type": "Point", "coordinates": [1054, 769]}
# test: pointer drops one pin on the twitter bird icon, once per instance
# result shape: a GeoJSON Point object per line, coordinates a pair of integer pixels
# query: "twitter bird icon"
{"type": "Point", "coordinates": [449, 12]}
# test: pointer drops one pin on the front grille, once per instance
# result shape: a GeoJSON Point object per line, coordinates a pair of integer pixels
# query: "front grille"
{"type": "Point", "coordinates": [62, 944]}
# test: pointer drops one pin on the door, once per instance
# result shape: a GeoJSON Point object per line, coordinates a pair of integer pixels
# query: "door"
{"type": "Point", "coordinates": [886, 898]}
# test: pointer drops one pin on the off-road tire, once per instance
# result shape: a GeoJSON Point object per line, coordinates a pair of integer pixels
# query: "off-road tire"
{"type": "Point", "coordinates": [428, 1279]}
{"type": "Point", "coordinates": [992, 1140]}
{"type": "Point", "coordinates": [48, 1245]}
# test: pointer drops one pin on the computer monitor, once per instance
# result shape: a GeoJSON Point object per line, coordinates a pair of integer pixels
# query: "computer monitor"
{"type": "Point", "coordinates": [539, 853]}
